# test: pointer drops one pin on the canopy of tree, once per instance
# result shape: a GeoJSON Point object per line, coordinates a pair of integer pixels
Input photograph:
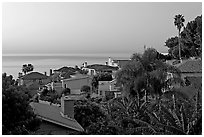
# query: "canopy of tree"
{"type": "Point", "coordinates": [17, 115]}
{"type": "Point", "coordinates": [146, 74]}
{"type": "Point", "coordinates": [190, 38]}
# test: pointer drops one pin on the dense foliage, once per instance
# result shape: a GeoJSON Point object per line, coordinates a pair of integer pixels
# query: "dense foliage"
{"type": "Point", "coordinates": [93, 119]}
{"type": "Point", "coordinates": [190, 40]}
{"type": "Point", "coordinates": [148, 106]}
{"type": "Point", "coordinates": [51, 96]}
{"type": "Point", "coordinates": [17, 115]}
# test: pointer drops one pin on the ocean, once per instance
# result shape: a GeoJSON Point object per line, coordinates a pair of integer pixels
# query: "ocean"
{"type": "Point", "coordinates": [12, 64]}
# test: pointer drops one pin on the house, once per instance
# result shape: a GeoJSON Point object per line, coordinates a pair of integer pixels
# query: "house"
{"type": "Point", "coordinates": [117, 63]}
{"type": "Point", "coordinates": [191, 68]}
{"type": "Point", "coordinates": [108, 89]}
{"type": "Point", "coordinates": [57, 86]}
{"type": "Point", "coordinates": [57, 120]}
{"type": "Point", "coordinates": [99, 68]}
{"type": "Point", "coordinates": [33, 80]}
{"type": "Point", "coordinates": [76, 82]}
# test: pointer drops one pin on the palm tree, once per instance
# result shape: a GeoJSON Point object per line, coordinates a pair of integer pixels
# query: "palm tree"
{"type": "Point", "coordinates": [179, 23]}
{"type": "Point", "coordinates": [27, 68]}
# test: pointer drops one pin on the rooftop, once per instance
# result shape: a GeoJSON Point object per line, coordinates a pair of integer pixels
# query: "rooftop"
{"type": "Point", "coordinates": [65, 69]}
{"type": "Point", "coordinates": [100, 67]}
{"type": "Point", "coordinates": [34, 75]}
{"type": "Point", "coordinates": [191, 66]}
{"type": "Point", "coordinates": [76, 77]}
{"type": "Point", "coordinates": [51, 113]}
{"type": "Point", "coordinates": [121, 63]}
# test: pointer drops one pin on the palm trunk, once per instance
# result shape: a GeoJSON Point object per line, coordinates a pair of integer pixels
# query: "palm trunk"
{"type": "Point", "coordinates": [179, 42]}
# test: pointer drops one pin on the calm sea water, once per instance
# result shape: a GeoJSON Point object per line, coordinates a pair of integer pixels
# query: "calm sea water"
{"type": "Point", "coordinates": [12, 64]}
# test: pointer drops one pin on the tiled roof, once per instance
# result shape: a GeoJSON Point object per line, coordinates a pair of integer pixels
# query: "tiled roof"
{"type": "Point", "coordinates": [51, 113]}
{"type": "Point", "coordinates": [100, 67]}
{"type": "Point", "coordinates": [76, 77]}
{"type": "Point", "coordinates": [65, 69]}
{"type": "Point", "coordinates": [34, 75]}
{"type": "Point", "coordinates": [191, 66]}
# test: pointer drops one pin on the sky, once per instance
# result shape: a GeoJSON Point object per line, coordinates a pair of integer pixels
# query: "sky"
{"type": "Point", "coordinates": [86, 28]}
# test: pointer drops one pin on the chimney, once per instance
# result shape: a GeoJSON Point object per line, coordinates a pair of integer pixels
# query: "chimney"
{"type": "Point", "coordinates": [50, 72]}
{"type": "Point", "coordinates": [45, 73]}
{"type": "Point", "coordinates": [67, 106]}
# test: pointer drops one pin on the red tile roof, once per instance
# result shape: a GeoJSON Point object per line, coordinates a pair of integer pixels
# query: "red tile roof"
{"type": "Point", "coordinates": [191, 66]}
{"type": "Point", "coordinates": [34, 75]}
{"type": "Point", "coordinates": [51, 113]}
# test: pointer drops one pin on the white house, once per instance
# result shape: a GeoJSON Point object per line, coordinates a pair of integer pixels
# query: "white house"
{"type": "Point", "coordinates": [117, 63]}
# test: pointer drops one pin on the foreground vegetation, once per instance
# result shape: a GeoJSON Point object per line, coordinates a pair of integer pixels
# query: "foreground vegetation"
{"type": "Point", "coordinates": [148, 106]}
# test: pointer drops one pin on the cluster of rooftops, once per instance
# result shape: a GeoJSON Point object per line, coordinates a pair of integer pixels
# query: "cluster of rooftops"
{"type": "Point", "coordinates": [52, 113]}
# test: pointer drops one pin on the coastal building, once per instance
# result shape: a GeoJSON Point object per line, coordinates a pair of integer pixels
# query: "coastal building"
{"type": "Point", "coordinates": [191, 68]}
{"type": "Point", "coordinates": [76, 82]}
{"type": "Point", "coordinates": [108, 89]}
{"type": "Point", "coordinates": [99, 68]}
{"type": "Point", "coordinates": [57, 86]}
{"type": "Point", "coordinates": [33, 80]}
{"type": "Point", "coordinates": [57, 120]}
{"type": "Point", "coordinates": [191, 71]}
{"type": "Point", "coordinates": [117, 63]}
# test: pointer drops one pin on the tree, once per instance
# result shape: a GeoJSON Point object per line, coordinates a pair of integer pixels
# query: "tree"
{"type": "Point", "coordinates": [17, 115]}
{"type": "Point", "coordinates": [145, 75]}
{"type": "Point", "coordinates": [66, 91]}
{"type": "Point", "coordinates": [92, 118]}
{"type": "Point", "coordinates": [179, 23]}
{"type": "Point", "coordinates": [86, 89]}
{"type": "Point", "coordinates": [27, 68]}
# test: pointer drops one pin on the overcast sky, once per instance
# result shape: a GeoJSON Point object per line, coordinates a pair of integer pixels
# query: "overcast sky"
{"type": "Point", "coordinates": [62, 28]}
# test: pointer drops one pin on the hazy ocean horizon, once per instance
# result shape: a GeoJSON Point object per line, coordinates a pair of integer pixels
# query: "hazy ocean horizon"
{"type": "Point", "coordinates": [12, 63]}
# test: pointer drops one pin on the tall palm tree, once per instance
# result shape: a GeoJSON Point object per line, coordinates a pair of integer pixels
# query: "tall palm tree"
{"type": "Point", "coordinates": [179, 23]}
